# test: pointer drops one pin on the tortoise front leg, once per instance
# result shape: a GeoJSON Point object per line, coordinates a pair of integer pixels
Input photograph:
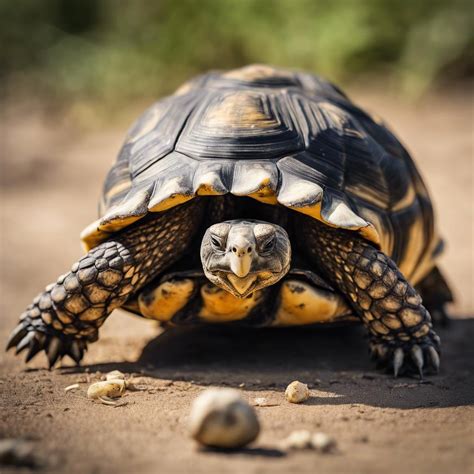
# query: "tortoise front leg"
{"type": "Point", "coordinates": [68, 314]}
{"type": "Point", "coordinates": [399, 325]}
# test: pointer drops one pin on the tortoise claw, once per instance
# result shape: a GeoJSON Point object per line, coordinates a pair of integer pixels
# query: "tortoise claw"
{"type": "Point", "coordinates": [75, 352]}
{"type": "Point", "coordinates": [35, 347]}
{"type": "Point", "coordinates": [410, 356]}
{"type": "Point", "coordinates": [398, 358]}
{"type": "Point", "coordinates": [434, 358]}
{"type": "Point", "coordinates": [417, 357]}
{"type": "Point", "coordinates": [16, 335]}
{"type": "Point", "coordinates": [54, 351]}
{"type": "Point", "coordinates": [25, 342]}
{"type": "Point", "coordinates": [31, 337]}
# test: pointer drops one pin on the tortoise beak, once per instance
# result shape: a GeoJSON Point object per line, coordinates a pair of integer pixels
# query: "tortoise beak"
{"type": "Point", "coordinates": [241, 285]}
{"type": "Point", "coordinates": [240, 264]}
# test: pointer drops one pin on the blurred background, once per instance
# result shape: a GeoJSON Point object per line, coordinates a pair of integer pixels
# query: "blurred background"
{"type": "Point", "coordinates": [115, 52]}
{"type": "Point", "coordinates": [76, 73]}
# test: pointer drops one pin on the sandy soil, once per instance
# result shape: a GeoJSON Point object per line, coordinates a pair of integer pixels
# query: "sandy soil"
{"type": "Point", "coordinates": [51, 175]}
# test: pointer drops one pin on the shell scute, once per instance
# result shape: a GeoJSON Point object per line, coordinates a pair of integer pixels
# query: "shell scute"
{"type": "Point", "coordinates": [261, 75]}
{"type": "Point", "coordinates": [242, 124]}
{"type": "Point", "coordinates": [301, 184]}
{"type": "Point", "coordinates": [161, 140]}
{"type": "Point", "coordinates": [213, 177]}
{"type": "Point", "coordinates": [337, 212]}
{"type": "Point", "coordinates": [259, 179]}
{"type": "Point", "coordinates": [133, 206]}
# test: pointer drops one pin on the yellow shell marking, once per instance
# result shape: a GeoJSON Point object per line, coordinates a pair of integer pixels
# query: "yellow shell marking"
{"type": "Point", "coordinates": [418, 270]}
{"type": "Point", "coordinates": [170, 202]}
{"type": "Point", "coordinates": [239, 110]}
{"type": "Point", "coordinates": [266, 195]}
{"type": "Point", "coordinates": [302, 304]}
{"type": "Point", "coordinates": [171, 194]}
{"type": "Point", "coordinates": [255, 71]}
{"type": "Point", "coordinates": [407, 200]}
{"type": "Point", "coordinates": [413, 249]}
{"type": "Point", "coordinates": [208, 190]}
{"type": "Point", "coordinates": [220, 306]}
{"type": "Point", "coordinates": [166, 300]}
{"type": "Point", "coordinates": [208, 185]}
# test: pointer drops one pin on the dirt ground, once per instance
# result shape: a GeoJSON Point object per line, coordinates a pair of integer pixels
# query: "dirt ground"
{"type": "Point", "coordinates": [51, 176]}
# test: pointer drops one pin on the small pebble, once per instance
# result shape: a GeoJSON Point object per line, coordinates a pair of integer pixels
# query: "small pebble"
{"type": "Point", "coordinates": [300, 439]}
{"type": "Point", "coordinates": [264, 402]}
{"type": "Point", "coordinates": [304, 439]}
{"type": "Point", "coordinates": [109, 388]}
{"type": "Point", "coordinates": [322, 442]}
{"type": "Point", "coordinates": [115, 375]}
{"type": "Point", "coordinates": [221, 418]}
{"type": "Point", "coordinates": [297, 392]}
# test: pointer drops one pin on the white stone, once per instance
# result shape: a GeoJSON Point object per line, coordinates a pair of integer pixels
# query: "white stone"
{"type": "Point", "coordinates": [221, 418]}
{"type": "Point", "coordinates": [297, 392]}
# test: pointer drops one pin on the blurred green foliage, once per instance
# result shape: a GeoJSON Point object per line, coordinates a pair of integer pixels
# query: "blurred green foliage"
{"type": "Point", "coordinates": [120, 50]}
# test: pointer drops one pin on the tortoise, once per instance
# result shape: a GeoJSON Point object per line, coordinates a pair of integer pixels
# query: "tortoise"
{"type": "Point", "coordinates": [263, 197]}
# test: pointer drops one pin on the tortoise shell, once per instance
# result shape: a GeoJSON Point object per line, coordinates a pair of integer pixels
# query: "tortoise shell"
{"type": "Point", "coordinates": [283, 138]}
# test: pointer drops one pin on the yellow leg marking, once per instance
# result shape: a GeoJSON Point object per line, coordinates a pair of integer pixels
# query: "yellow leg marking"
{"type": "Point", "coordinates": [219, 306]}
{"type": "Point", "coordinates": [302, 303]}
{"type": "Point", "coordinates": [166, 300]}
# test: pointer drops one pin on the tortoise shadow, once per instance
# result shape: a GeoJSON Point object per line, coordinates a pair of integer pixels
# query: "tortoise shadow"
{"type": "Point", "coordinates": [332, 361]}
{"type": "Point", "coordinates": [246, 451]}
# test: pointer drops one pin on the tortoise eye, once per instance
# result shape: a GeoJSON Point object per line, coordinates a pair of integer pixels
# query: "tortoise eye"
{"type": "Point", "coordinates": [216, 242]}
{"type": "Point", "coordinates": [268, 245]}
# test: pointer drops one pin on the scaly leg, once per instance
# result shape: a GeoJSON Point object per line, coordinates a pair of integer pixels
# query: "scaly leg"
{"type": "Point", "coordinates": [387, 304]}
{"type": "Point", "coordinates": [68, 314]}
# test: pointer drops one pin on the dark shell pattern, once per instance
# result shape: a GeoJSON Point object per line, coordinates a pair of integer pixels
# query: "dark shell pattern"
{"type": "Point", "coordinates": [281, 137]}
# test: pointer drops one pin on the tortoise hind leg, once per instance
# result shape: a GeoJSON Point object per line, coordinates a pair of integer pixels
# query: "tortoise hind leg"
{"type": "Point", "coordinates": [68, 314]}
{"type": "Point", "coordinates": [436, 294]}
{"type": "Point", "coordinates": [400, 326]}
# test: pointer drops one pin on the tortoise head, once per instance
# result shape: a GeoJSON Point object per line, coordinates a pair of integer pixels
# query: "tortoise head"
{"type": "Point", "coordinates": [242, 256]}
